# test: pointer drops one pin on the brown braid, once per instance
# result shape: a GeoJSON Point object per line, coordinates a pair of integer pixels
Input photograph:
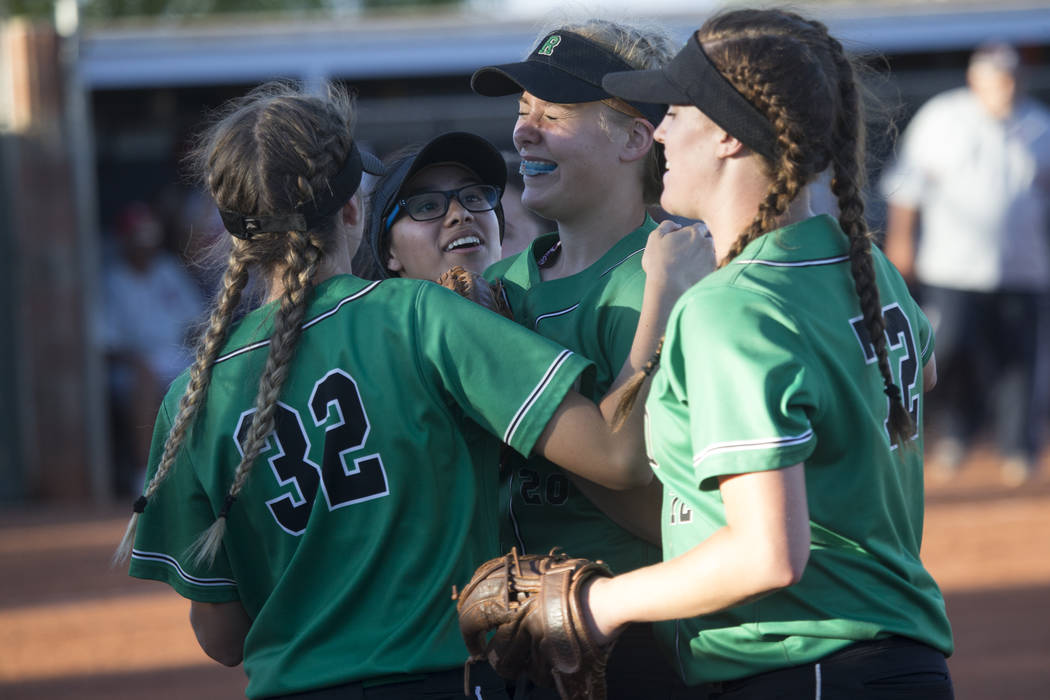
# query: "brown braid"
{"type": "Point", "coordinates": [799, 76]}
{"type": "Point", "coordinates": [789, 172]}
{"type": "Point", "coordinates": [271, 152]}
{"type": "Point", "coordinates": [301, 263]}
{"type": "Point", "coordinates": [634, 385]}
{"type": "Point", "coordinates": [848, 147]}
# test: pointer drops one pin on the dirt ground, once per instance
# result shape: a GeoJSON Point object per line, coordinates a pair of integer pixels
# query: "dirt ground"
{"type": "Point", "coordinates": [72, 627]}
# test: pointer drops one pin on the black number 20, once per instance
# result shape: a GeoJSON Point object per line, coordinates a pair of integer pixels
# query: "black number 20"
{"type": "Point", "coordinates": [335, 402]}
{"type": "Point", "coordinates": [899, 335]}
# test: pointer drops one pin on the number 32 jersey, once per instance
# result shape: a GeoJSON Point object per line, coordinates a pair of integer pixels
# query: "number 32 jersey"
{"type": "Point", "coordinates": [767, 363]}
{"type": "Point", "coordinates": [374, 494]}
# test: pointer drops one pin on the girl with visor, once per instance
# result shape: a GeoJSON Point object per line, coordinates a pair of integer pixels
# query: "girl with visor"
{"type": "Point", "coordinates": [785, 419]}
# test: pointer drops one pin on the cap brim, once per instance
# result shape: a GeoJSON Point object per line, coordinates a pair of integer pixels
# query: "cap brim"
{"type": "Point", "coordinates": [645, 86]}
{"type": "Point", "coordinates": [543, 80]}
{"type": "Point", "coordinates": [370, 163]}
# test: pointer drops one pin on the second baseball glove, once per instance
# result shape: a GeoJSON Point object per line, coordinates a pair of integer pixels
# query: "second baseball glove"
{"type": "Point", "coordinates": [523, 615]}
{"type": "Point", "coordinates": [476, 288]}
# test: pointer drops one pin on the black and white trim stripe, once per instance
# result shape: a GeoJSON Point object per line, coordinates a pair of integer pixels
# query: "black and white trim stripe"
{"type": "Point", "coordinates": [747, 445]}
{"type": "Point", "coordinates": [622, 261]}
{"type": "Point", "coordinates": [534, 396]}
{"type": "Point", "coordinates": [562, 312]}
{"type": "Point", "coordinates": [554, 314]}
{"type": "Point", "coordinates": [800, 263]}
{"type": "Point", "coordinates": [307, 324]}
{"type": "Point", "coordinates": [162, 558]}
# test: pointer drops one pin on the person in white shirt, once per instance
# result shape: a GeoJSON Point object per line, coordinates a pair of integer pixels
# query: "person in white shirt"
{"type": "Point", "coordinates": [969, 226]}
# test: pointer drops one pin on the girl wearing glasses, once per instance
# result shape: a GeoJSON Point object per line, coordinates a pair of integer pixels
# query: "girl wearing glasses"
{"type": "Point", "coordinates": [437, 207]}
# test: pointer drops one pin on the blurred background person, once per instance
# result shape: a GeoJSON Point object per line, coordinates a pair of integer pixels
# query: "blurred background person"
{"type": "Point", "coordinates": [151, 309]}
{"type": "Point", "coordinates": [968, 225]}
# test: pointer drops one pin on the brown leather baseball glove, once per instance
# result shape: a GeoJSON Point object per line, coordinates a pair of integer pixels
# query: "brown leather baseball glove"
{"type": "Point", "coordinates": [522, 614]}
{"type": "Point", "coordinates": [476, 288]}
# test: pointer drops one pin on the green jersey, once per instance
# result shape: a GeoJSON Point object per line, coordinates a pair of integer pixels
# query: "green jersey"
{"type": "Point", "coordinates": [594, 313]}
{"type": "Point", "coordinates": [767, 364]}
{"type": "Point", "coordinates": [374, 494]}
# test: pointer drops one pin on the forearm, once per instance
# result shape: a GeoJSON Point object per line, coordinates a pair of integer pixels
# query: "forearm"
{"type": "Point", "coordinates": [635, 510]}
{"type": "Point", "coordinates": [899, 246]}
{"type": "Point", "coordinates": [763, 547]}
{"type": "Point", "coordinates": [221, 629]}
{"type": "Point", "coordinates": [715, 575]}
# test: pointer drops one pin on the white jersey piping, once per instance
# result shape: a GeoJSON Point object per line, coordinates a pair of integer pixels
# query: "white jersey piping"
{"type": "Point", "coordinates": [162, 558]}
{"type": "Point", "coordinates": [746, 445]}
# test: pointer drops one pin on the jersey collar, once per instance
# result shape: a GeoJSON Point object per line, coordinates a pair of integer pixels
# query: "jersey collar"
{"type": "Point", "coordinates": [814, 241]}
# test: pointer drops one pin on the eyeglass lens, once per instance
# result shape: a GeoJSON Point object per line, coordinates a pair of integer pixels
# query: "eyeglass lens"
{"type": "Point", "coordinates": [426, 206]}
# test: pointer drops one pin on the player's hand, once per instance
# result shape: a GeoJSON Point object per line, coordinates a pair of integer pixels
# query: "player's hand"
{"type": "Point", "coordinates": [677, 257]}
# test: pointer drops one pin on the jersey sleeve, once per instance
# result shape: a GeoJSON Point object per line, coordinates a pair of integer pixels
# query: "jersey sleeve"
{"type": "Point", "coordinates": [749, 393]}
{"type": "Point", "coordinates": [175, 516]}
{"type": "Point", "coordinates": [506, 378]}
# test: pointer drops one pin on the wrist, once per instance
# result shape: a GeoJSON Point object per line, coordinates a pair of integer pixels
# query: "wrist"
{"type": "Point", "coordinates": [600, 614]}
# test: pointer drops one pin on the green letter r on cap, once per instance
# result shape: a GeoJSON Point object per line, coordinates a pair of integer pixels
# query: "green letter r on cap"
{"type": "Point", "coordinates": [548, 46]}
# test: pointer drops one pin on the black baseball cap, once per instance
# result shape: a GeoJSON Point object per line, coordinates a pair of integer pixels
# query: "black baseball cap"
{"type": "Point", "coordinates": [691, 79]}
{"type": "Point", "coordinates": [471, 151]}
{"type": "Point", "coordinates": [563, 68]}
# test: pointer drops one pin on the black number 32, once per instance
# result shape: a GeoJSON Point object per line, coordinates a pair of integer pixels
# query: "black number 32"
{"type": "Point", "coordinates": [899, 335]}
{"type": "Point", "coordinates": [335, 403]}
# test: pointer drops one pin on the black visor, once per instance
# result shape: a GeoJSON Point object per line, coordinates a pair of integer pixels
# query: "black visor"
{"type": "Point", "coordinates": [341, 188]}
{"type": "Point", "coordinates": [691, 79]}
{"type": "Point", "coordinates": [565, 68]}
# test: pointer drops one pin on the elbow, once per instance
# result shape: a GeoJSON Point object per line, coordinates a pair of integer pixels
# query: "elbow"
{"type": "Point", "coordinates": [220, 631]}
{"type": "Point", "coordinates": [226, 657]}
{"type": "Point", "coordinates": [775, 569]}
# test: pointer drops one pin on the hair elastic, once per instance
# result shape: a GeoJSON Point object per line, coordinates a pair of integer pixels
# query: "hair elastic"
{"type": "Point", "coordinates": [308, 215]}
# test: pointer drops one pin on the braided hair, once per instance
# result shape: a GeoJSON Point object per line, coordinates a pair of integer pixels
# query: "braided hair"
{"type": "Point", "coordinates": [269, 153]}
{"type": "Point", "coordinates": [800, 78]}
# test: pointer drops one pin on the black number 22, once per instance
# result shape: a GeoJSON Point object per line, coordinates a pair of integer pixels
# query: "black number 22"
{"type": "Point", "coordinates": [335, 402]}
{"type": "Point", "coordinates": [899, 335]}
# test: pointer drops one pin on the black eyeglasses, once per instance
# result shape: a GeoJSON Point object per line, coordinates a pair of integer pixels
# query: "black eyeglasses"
{"type": "Point", "coordinates": [427, 206]}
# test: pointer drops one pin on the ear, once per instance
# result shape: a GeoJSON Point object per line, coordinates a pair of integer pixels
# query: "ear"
{"type": "Point", "coordinates": [352, 211]}
{"type": "Point", "coordinates": [728, 146]}
{"type": "Point", "coordinates": [393, 263]}
{"type": "Point", "coordinates": [639, 140]}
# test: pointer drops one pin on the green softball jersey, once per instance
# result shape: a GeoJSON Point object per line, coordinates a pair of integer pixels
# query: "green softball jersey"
{"type": "Point", "coordinates": [767, 364]}
{"type": "Point", "coordinates": [375, 493]}
{"type": "Point", "coordinates": [594, 313]}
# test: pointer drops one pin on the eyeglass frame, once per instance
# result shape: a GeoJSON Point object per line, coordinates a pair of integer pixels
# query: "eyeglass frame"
{"type": "Point", "coordinates": [449, 195]}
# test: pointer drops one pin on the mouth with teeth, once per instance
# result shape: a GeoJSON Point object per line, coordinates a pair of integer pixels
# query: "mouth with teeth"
{"type": "Point", "coordinates": [468, 242]}
{"type": "Point", "coordinates": [536, 167]}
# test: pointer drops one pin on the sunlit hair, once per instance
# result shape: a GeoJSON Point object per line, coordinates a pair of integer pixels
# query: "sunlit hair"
{"type": "Point", "coordinates": [801, 79]}
{"type": "Point", "coordinates": [643, 47]}
{"type": "Point", "coordinates": [266, 153]}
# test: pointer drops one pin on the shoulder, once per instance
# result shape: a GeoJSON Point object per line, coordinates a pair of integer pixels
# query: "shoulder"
{"type": "Point", "coordinates": [517, 265]}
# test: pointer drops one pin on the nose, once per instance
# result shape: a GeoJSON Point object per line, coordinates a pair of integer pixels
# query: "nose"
{"type": "Point", "coordinates": [525, 132]}
{"type": "Point", "coordinates": [457, 213]}
{"type": "Point", "coordinates": [661, 131]}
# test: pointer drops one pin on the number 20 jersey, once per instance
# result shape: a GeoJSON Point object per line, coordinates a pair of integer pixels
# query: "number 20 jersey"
{"type": "Point", "coordinates": [767, 363]}
{"type": "Point", "coordinates": [376, 492]}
